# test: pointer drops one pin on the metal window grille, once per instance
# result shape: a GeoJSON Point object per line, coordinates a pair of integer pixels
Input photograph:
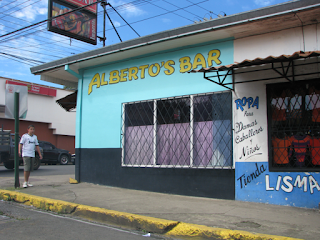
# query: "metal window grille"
{"type": "Point", "coordinates": [294, 126]}
{"type": "Point", "coordinates": [192, 131]}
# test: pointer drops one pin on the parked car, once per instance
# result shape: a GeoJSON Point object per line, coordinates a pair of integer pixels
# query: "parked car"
{"type": "Point", "coordinates": [7, 151]}
{"type": "Point", "coordinates": [51, 154]}
{"type": "Point", "coordinates": [73, 159]}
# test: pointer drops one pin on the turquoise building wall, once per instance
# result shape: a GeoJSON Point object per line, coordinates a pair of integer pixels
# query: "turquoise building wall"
{"type": "Point", "coordinates": [104, 88]}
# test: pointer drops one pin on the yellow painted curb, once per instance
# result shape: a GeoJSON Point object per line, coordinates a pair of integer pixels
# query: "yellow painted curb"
{"type": "Point", "coordinates": [148, 224]}
{"type": "Point", "coordinates": [38, 202]}
{"type": "Point", "coordinates": [200, 231]}
{"type": "Point", "coordinates": [138, 222]}
{"type": "Point", "coordinates": [73, 181]}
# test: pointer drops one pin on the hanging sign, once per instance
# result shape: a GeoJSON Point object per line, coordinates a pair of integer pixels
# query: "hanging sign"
{"type": "Point", "coordinates": [80, 25]}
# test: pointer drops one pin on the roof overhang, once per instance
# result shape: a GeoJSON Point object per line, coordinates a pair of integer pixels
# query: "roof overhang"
{"type": "Point", "coordinates": [285, 68]}
{"type": "Point", "coordinates": [260, 61]}
{"type": "Point", "coordinates": [235, 26]}
{"type": "Point", "coordinates": [68, 102]}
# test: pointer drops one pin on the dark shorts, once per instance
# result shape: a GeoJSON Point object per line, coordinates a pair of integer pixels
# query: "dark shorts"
{"type": "Point", "coordinates": [28, 163]}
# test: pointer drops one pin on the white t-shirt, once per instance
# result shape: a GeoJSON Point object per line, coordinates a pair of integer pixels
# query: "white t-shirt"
{"type": "Point", "coordinates": [29, 145]}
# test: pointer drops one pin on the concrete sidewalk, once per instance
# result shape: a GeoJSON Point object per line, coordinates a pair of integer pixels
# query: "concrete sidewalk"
{"type": "Point", "coordinates": [214, 213]}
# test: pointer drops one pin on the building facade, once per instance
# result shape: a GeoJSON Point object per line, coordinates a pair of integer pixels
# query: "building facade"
{"type": "Point", "coordinates": [52, 122]}
{"type": "Point", "coordinates": [221, 109]}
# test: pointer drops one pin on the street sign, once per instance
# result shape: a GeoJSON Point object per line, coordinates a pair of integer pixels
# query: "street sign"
{"type": "Point", "coordinates": [23, 100]}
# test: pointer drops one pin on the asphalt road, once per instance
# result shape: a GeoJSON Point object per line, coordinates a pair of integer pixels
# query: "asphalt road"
{"type": "Point", "coordinates": [23, 222]}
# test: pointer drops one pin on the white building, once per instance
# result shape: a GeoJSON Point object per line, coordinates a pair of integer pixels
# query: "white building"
{"type": "Point", "coordinates": [52, 122]}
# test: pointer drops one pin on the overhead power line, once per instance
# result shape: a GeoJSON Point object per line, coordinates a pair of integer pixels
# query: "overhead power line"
{"type": "Point", "coordinates": [183, 9]}
{"type": "Point", "coordinates": [8, 4]}
{"type": "Point", "coordinates": [22, 59]}
{"type": "Point", "coordinates": [44, 30]}
{"type": "Point", "coordinates": [32, 51]}
{"type": "Point", "coordinates": [19, 8]}
{"type": "Point", "coordinates": [49, 19]}
{"type": "Point", "coordinates": [173, 12]}
{"type": "Point", "coordinates": [123, 19]}
{"type": "Point", "coordinates": [161, 14]}
{"type": "Point", "coordinates": [26, 32]}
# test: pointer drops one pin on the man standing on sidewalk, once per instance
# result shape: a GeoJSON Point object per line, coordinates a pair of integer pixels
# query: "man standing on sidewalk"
{"type": "Point", "coordinates": [28, 144]}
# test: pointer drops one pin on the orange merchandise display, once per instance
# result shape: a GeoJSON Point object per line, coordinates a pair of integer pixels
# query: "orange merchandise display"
{"type": "Point", "coordinates": [300, 145]}
{"type": "Point", "coordinates": [280, 150]}
{"type": "Point", "coordinates": [315, 151]}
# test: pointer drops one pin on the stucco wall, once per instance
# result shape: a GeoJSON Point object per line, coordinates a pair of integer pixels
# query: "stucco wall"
{"type": "Point", "coordinates": [277, 43]}
{"type": "Point", "coordinates": [254, 181]}
{"type": "Point", "coordinates": [45, 109]}
{"type": "Point", "coordinates": [102, 103]}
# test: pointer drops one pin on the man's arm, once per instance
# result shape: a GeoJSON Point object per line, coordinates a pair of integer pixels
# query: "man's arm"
{"type": "Point", "coordinates": [20, 147]}
{"type": "Point", "coordinates": [38, 149]}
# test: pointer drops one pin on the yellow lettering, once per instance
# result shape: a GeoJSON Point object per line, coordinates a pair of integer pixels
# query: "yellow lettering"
{"type": "Point", "coordinates": [199, 60]}
{"type": "Point", "coordinates": [94, 81]}
{"type": "Point", "coordinates": [214, 55]}
{"type": "Point", "coordinates": [123, 75]}
{"type": "Point", "coordinates": [143, 68]}
{"type": "Point", "coordinates": [150, 70]}
{"type": "Point", "coordinates": [185, 64]}
{"type": "Point", "coordinates": [103, 82]}
{"type": "Point", "coordinates": [133, 71]}
{"type": "Point", "coordinates": [169, 68]}
{"type": "Point", "coordinates": [114, 77]}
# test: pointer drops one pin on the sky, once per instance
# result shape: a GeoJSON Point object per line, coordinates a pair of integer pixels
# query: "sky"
{"type": "Point", "coordinates": [35, 45]}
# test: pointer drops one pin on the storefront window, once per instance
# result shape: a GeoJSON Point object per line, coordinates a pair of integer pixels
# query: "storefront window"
{"type": "Point", "coordinates": [189, 131]}
{"type": "Point", "coordinates": [139, 135]}
{"type": "Point", "coordinates": [294, 125]}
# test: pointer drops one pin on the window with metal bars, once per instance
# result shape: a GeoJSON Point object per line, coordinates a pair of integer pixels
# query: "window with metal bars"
{"type": "Point", "coordinates": [294, 126]}
{"type": "Point", "coordinates": [192, 131]}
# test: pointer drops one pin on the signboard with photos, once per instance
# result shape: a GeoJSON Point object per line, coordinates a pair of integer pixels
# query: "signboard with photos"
{"type": "Point", "coordinates": [81, 3]}
{"type": "Point", "coordinates": [80, 25]}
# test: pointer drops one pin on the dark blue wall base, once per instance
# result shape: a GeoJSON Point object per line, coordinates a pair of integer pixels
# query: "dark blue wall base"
{"type": "Point", "coordinates": [103, 166]}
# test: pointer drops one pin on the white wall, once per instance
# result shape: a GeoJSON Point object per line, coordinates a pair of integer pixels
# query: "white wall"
{"type": "Point", "coordinates": [277, 43]}
{"type": "Point", "coordinates": [45, 109]}
{"type": "Point", "coordinates": [255, 182]}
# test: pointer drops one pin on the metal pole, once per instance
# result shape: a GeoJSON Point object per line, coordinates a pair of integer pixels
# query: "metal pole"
{"type": "Point", "coordinates": [16, 140]}
{"type": "Point", "coordinates": [103, 4]}
{"type": "Point", "coordinates": [114, 27]}
{"type": "Point", "coordinates": [123, 19]}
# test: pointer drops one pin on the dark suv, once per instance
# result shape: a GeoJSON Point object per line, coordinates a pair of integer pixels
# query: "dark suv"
{"type": "Point", "coordinates": [7, 151]}
{"type": "Point", "coordinates": [51, 154]}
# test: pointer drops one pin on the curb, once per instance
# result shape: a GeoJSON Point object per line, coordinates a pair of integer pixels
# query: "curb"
{"type": "Point", "coordinates": [204, 232]}
{"type": "Point", "coordinates": [73, 181]}
{"type": "Point", "coordinates": [133, 221]}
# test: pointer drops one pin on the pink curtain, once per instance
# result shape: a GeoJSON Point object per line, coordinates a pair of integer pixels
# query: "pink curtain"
{"type": "Point", "coordinates": [173, 144]}
{"type": "Point", "coordinates": [203, 146]}
{"type": "Point", "coordinates": [211, 139]}
{"type": "Point", "coordinates": [139, 145]}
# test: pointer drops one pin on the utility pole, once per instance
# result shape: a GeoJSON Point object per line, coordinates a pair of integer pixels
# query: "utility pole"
{"type": "Point", "coordinates": [103, 5]}
{"type": "Point", "coordinates": [16, 140]}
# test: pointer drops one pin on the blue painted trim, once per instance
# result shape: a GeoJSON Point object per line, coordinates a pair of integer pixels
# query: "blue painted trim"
{"type": "Point", "coordinates": [160, 52]}
{"type": "Point", "coordinates": [79, 113]}
{"type": "Point", "coordinates": [66, 68]}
